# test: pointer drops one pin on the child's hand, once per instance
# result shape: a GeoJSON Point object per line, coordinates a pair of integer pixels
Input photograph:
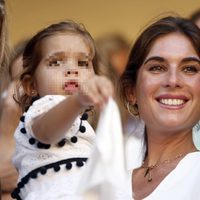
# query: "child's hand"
{"type": "Point", "coordinates": [95, 92]}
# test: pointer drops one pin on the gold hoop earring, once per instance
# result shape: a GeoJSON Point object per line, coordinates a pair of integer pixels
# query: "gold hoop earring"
{"type": "Point", "coordinates": [132, 109]}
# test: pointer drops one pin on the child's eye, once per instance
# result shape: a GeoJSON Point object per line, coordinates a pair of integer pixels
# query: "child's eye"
{"type": "Point", "coordinates": [190, 69]}
{"type": "Point", "coordinates": [156, 68]}
{"type": "Point", "coordinates": [55, 63]}
{"type": "Point", "coordinates": [82, 63]}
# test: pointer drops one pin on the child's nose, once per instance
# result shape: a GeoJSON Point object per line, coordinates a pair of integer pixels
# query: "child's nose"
{"type": "Point", "coordinates": [71, 73]}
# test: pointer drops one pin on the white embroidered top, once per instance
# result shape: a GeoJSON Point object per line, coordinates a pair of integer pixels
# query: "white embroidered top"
{"type": "Point", "coordinates": [59, 176]}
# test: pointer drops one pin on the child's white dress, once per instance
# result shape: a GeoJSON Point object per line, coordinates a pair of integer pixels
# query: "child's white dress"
{"type": "Point", "coordinates": [50, 172]}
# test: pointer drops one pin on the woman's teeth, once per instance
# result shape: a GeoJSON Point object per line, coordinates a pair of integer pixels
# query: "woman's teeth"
{"type": "Point", "coordinates": [173, 102]}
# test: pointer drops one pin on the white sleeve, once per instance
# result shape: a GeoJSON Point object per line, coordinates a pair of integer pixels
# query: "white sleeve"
{"type": "Point", "coordinates": [39, 107]}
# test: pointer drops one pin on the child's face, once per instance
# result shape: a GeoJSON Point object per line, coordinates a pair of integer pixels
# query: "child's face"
{"type": "Point", "coordinates": [65, 65]}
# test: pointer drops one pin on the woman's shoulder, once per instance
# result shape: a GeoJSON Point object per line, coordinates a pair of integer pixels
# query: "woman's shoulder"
{"type": "Point", "coordinates": [192, 158]}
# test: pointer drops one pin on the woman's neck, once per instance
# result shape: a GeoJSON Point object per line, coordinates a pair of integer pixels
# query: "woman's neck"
{"type": "Point", "coordinates": [167, 146]}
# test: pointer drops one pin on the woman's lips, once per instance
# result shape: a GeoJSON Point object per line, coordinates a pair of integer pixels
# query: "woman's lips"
{"type": "Point", "coordinates": [172, 101]}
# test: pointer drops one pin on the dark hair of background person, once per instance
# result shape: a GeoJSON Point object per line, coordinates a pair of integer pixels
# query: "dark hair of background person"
{"type": "Point", "coordinates": [195, 16]}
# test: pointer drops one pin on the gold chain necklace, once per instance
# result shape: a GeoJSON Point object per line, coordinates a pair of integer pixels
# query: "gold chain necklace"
{"type": "Point", "coordinates": [150, 168]}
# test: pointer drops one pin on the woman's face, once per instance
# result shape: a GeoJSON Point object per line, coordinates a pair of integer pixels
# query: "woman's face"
{"type": "Point", "coordinates": [168, 85]}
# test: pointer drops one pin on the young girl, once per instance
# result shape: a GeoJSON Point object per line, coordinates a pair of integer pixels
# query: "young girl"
{"type": "Point", "coordinates": [53, 141]}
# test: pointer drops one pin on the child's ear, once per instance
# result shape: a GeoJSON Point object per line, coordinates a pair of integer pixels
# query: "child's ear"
{"type": "Point", "coordinates": [29, 85]}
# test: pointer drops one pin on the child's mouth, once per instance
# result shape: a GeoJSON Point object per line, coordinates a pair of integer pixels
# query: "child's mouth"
{"type": "Point", "coordinates": [71, 86]}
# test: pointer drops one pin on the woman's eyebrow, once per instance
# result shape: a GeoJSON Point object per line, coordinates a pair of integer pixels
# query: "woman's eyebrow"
{"type": "Point", "coordinates": [188, 59]}
{"type": "Point", "coordinates": [156, 58]}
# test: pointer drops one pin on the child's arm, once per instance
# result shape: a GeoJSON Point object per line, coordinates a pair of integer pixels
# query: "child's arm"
{"type": "Point", "coordinates": [52, 126]}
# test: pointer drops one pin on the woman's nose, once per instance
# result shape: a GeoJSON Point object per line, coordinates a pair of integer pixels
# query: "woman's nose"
{"type": "Point", "coordinates": [173, 79]}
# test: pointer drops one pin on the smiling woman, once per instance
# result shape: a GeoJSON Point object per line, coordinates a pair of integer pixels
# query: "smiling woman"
{"type": "Point", "coordinates": [161, 82]}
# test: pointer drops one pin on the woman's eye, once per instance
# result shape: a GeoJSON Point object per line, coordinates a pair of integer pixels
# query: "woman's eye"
{"type": "Point", "coordinates": [83, 63]}
{"type": "Point", "coordinates": [190, 69]}
{"type": "Point", "coordinates": [156, 68]}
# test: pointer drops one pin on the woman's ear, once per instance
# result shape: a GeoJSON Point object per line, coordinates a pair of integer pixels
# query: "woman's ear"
{"type": "Point", "coordinates": [131, 105]}
{"type": "Point", "coordinates": [131, 95]}
{"type": "Point", "coordinates": [29, 85]}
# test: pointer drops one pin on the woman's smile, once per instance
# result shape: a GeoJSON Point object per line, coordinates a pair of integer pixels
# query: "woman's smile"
{"type": "Point", "coordinates": [172, 102]}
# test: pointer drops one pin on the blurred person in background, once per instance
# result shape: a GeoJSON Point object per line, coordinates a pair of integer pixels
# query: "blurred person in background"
{"type": "Point", "coordinates": [4, 50]}
{"type": "Point", "coordinates": [195, 17]}
{"type": "Point", "coordinates": [4, 79]}
{"type": "Point", "coordinates": [113, 50]}
{"type": "Point", "coordinates": [9, 120]}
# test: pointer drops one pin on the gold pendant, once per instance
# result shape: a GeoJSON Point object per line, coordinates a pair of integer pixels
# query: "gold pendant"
{"type": "Point", "coordinates": [148, 173]}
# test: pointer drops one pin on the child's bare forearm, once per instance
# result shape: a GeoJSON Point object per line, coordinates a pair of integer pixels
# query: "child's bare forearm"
{"type": "Point", "coordinates": [51, 127]}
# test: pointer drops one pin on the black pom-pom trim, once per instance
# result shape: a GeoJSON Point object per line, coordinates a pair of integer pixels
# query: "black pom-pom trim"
{"type": "Point", "coordinates": [22, 118]}
{"type": "Point", "coordinates": [20, 185]}
{"type": "Point", "coordinates": [15, 194]}
{"type": "Point", "coordinates": [41, 145]}
{"type": "Point", "coordinates": [79, 163]}
{"type": "Point", "coordinates": [33, 175]}
{"type": "Point", "coordinates": [43, 171]}
{"type": "Point", "coordinates": [25, 180]}
{"type": "Point", "coordinates": [82, 129]}
{"type": "Point", "coordinates": [62, 142]}
{"type": "Point", "coordinates": [23, 130]}
{"type": "Point", "coordinates": [84, 116]}
{"type": "Point", "coordinates": [68, 166]}
{"type": "Point", "coordinates": [74, 139]}
{"type": "Point", "coordinates": [32, 141]}
{"type": "Point", "coordinates": [56, 166]}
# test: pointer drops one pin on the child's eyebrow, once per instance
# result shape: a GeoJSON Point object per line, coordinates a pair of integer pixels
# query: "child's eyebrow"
{"type": "Point", "coordinates": [57, 54]}
{"type": "Point", "coordinates": [82, 55]}
{"type": "Point", "coordinates": [63, 54]}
